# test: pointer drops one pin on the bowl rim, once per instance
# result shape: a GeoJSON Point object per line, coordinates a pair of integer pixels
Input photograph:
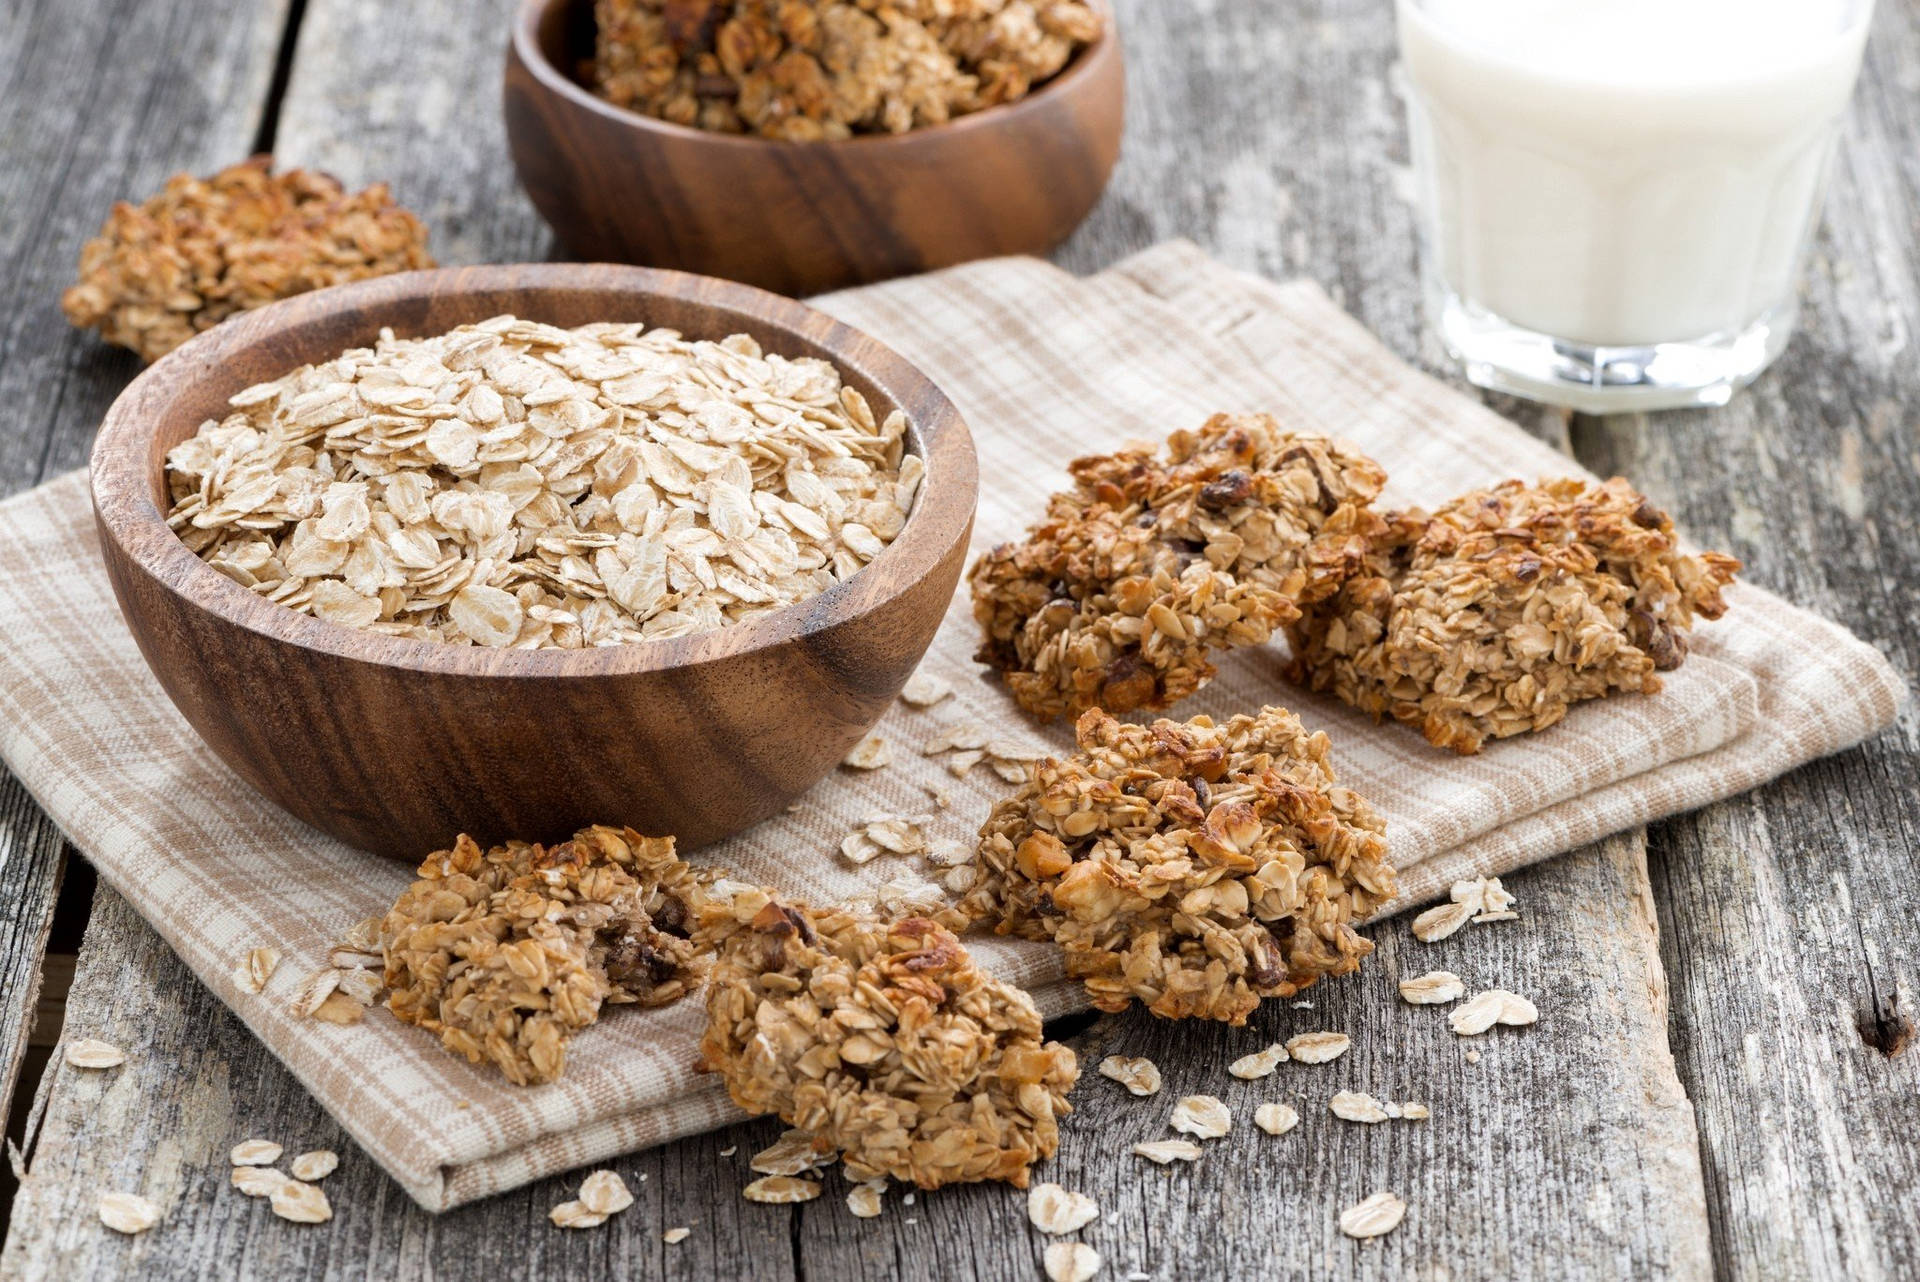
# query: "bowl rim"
{"type": "Point", "coordinates": [128, 516]}
{"type": "Point", "coordinates": [524, 43]}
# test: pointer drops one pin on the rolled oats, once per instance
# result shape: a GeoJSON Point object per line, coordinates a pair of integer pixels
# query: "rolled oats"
{"type": "Point", "coordinates": [1193, 867]}
{"type": "Point", "coordinates": [1318, 1048]}
{"type": "Point", "coordinates": [881, 1040]}
{"type": "Point", "coordinates": [203, 249]}
{"type": "Point", "coordinates": [1202, 1116]}
{"type": "Point", "coordinates": [300, 1203]}
{"type": "Point", "coordinates": [1070, 1261]}
{"type": "Point", "coordinates": [1276, 1119]}
{"type": "Point", "coordinates": [316, 1165]}
{"type": "Point", "coordinates": [824, 70]}
{"type": "Point", "coordinates": [88, 1052]}
{"type": "Point", "coordinates": [127, 1212]}
{"type": "Point", "coordinates": [257, 1181]}
{"type": "Point", "coordinates": [506, 953]}
{"type": "Point", "coordinates": [1259, 1064]}
{"type": "Point", "coordinates": [1167, 1151]}
{"type": "Point", "coordinates": [1373, 1216]}
{"type": "Point", "coordinates": [923, 690]}
{"type": "Point", "coordinates": [1495, 1006]}
{"type": "Point", "coordinates": [871, 753]}
{"type": "Point", "coordinates": [510, 484]}
{"type": "Point", "coordinates": [1357, 1106]}
{"type": "Point", "coordinates": [256, 968]}
{"type": "Point", "coordinates": [1507, 606]}
{"type": "Point", "coordinates": [1140, 1076]}
{"type": "Point", "coordinates": [864, 1200]}
{"type": "Point", "coordinates": [1153, 562]}
{"type": "Point", "coordinates": [794, 1153]}
{"type": "Point", "coordinates": [255, 1153]}
{"type": "Point", "coordinates": [605, 1193]}
{"type": "Point", "coordinates": [677, 1235]}
{"type": "Point", "coordinates": [1435, 988]}
{"type": "Point", "coordinates": [780, 1188]}
{"type": "Point", "coordinates": [1056, 1210]}
{"type": "Point", "coordinates": [575, 1215]}
{"type": "Point", "coordinates": [1440, 921]}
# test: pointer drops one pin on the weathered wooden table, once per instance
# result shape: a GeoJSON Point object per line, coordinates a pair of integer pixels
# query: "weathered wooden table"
{"type": "Point", "coordinates": [1716, 1086]}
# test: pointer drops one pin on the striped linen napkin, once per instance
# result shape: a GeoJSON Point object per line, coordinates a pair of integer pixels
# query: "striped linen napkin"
{"type": "Point", "coordinates": [1044, 366]}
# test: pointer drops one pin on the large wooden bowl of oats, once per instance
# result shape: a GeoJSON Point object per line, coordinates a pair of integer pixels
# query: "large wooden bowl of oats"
{"type": "Point", "coordinates": [412, 570]}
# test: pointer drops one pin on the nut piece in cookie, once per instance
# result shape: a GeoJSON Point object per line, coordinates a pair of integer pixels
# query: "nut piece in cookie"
{"type": "Point", "coordinates": [1155, 559]}
{"type": "Point", "coordinates": [506, 953]}
{"type": "Point", "coordinates": [183, 261]}
{"type": "Point", "coordinates": [1192, 867]}
{"type": "Point", "coordinates": [1507, 606]}
{"type": "Point", "coordinates": [880, 1039]}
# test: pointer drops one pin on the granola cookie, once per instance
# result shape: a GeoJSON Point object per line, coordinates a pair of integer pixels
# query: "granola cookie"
{"type": "Point", "coordinates": [203, 249]}
{"type": "Point", "coordinates": [882, 1040]}
{"type": "Point", "coordinates": [1156, 559]}
{"type": "Point", "coordinates": [1505, 607]}
{"type": "Point", "coordinates": [1192, 867]}
{"type": "Point", "coordinates": [506, 953]}
{"type": "Point", "coordinates": [818, 70]}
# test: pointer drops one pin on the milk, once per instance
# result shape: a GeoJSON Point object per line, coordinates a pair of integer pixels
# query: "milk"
{"type": "Point", "coordinates": [1625, 172]}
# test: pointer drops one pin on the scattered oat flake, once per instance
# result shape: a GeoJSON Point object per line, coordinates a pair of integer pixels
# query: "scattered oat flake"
{"type": "Point", "coordinates": [864, 1200]}
{"type": "Point", "coordinates": [575, 1215]}
{"type": "Point", "coordinates": [317, 1165]}
{"type": "Point", "coordinates": [965, 736]}
{"type": "Point", "coordinates": [871, 753]}
{"type": "Point", "coordinates": [1259, 1064]}
{"type": "Point", "coordinates": [860, 848]}
{"type": "Point", "coordinates": [1504, 915]}
{"type": "Point", "coordinates": [1473, 1057]}
{"type": "Point", "coordinates": [959, 763]}
{"type": "Point", "coordinates": [1374, 1216]}
{"type": "Point", "coordinates": [340, 1008]}
{"type": "Point", "coordinates": [363, 986]}
{"type": "Point", "coordinates": [1057, 1210]}
{"type": "Point", "coordinates": [128, 1212]}
{"type": "Point", "coordinates": [256, 968]}
{"type": "Point", "coordinates": [1318, 1048]}
{"type": "Point", "coordinates": [923, 690]}
{"type": "Point", "coordinates": [1071, 1261]}
{"type": "Point", "coordinates": [1201, 1115]}
{"type": "Point", "coordinates": [1440, 921]}
{"type": "Point", "coordinates": [792, 1154]}
{"type": "Point", "coordinates": [1434, 988]}
{"type": "Point", "coordinates": [729, 1150]}
{"type": "Point", "coordinates": [315, 990]}
{"type": "Point", "coordinates": [257, 1181]}
{"type": "Point", "coordinates": [780, 1188]}
{"type": "Point", "coordinates": [1276, 1119]}
{"type": "Point", "coordinates": [301, 1203]}
{"type": "Point", "coordinates": [1495, 1006]}
{"type": "Point", "coordinates": [1415, 1112]}
{"type": "Point", "coordinates": [1166, 1151]}
{"type": "Point", "coordinates": [1482, 895]}
{"type": "Point", "coordinates": [1356, 1106]}
{"type": "Point", "coordinates": [1139, 1075]}
{"type": "Point", "coordinates": [255, 1153]}
{"type": "Point", "coordinates": [677, 1235]}
{"type": "Point", "coordinates": [89, 1053]}
{"type": "Point", "coordinates": [605, 1193]}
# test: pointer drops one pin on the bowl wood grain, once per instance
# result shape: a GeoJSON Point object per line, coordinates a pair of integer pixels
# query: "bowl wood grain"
{"type": "Point", "coordinates": [397, 745]}
{"type": "Point", "coordinates": [801, 218]}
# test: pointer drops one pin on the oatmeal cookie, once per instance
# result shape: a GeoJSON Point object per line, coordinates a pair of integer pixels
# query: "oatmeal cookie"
{"type": "Point", "coordinates": [882, 1040]}
{"type": "Point", "coordinates": [506, 953]}
{"type": "Point", "coordinates": [203, 249]}
{"type": "Point", "coordinates": [1192, 867]}
{"type": "Point", "coordinates": [1155, 559]}
{"type": "Point", "coordinates": [1505, 607]}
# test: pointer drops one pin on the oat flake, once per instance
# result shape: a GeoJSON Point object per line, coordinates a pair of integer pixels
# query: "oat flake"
{"type": "Point", "coordinates": [1071, 1261]}
{"type": "Point", "coordinates": [1374, 1216]}
{"type": "Point", "coordinates": [1276, 1119]}
{"type": "Point", "coordinates": [1318, 1048]}
{"type": "Point", "coordinates": [1139, 1075]}
{"type": "Point", "coordinates": [780, 1188]}
{"type": "Point", "coordinates": [317, 1165]}
{"type": "Point", "coordinates": [128, 1212]}
{"type": "Point", "coordinates": [1056, 1210]}
{"type": "Point", "coordinates": [89, 1053]}
{"type": "Point", "coordinates": [1201, 1115]}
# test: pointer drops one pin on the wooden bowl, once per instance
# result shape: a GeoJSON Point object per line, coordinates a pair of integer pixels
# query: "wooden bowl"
{"type": "Point", "coordinates": [397, 745]}
{"type": "Point", "coordinates": [804, 217]}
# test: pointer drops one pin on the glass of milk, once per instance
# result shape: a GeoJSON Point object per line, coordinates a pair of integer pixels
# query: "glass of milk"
{"type": "Point", "coordinates": [1617, 195]}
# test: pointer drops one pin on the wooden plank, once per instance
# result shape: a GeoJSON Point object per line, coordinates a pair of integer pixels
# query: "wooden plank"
{"type": "Point", "coordinates": [1798, 966]}
{"type": "Point", "coordinates": [102, 101]}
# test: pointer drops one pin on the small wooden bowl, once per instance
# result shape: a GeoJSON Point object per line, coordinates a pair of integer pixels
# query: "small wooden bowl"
{"type": "Point", "coordinates": [397, 745]}
{"type": "Point", "coordinates": [804, 217]}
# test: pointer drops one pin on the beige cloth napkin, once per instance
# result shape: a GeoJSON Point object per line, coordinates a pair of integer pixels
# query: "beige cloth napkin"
{"type": "Point", "coordinates": [1044, 366]}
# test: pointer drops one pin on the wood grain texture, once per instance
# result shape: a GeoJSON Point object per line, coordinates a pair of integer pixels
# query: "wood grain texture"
{"type": "Point", "coordinates": [1270, 133]}
{"type": "Point", "coordinates": [802, 219]}
{"type": "Point", "coordinates": [199, 72]}
{"type": "Point", "coordinates": [699, 736]}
